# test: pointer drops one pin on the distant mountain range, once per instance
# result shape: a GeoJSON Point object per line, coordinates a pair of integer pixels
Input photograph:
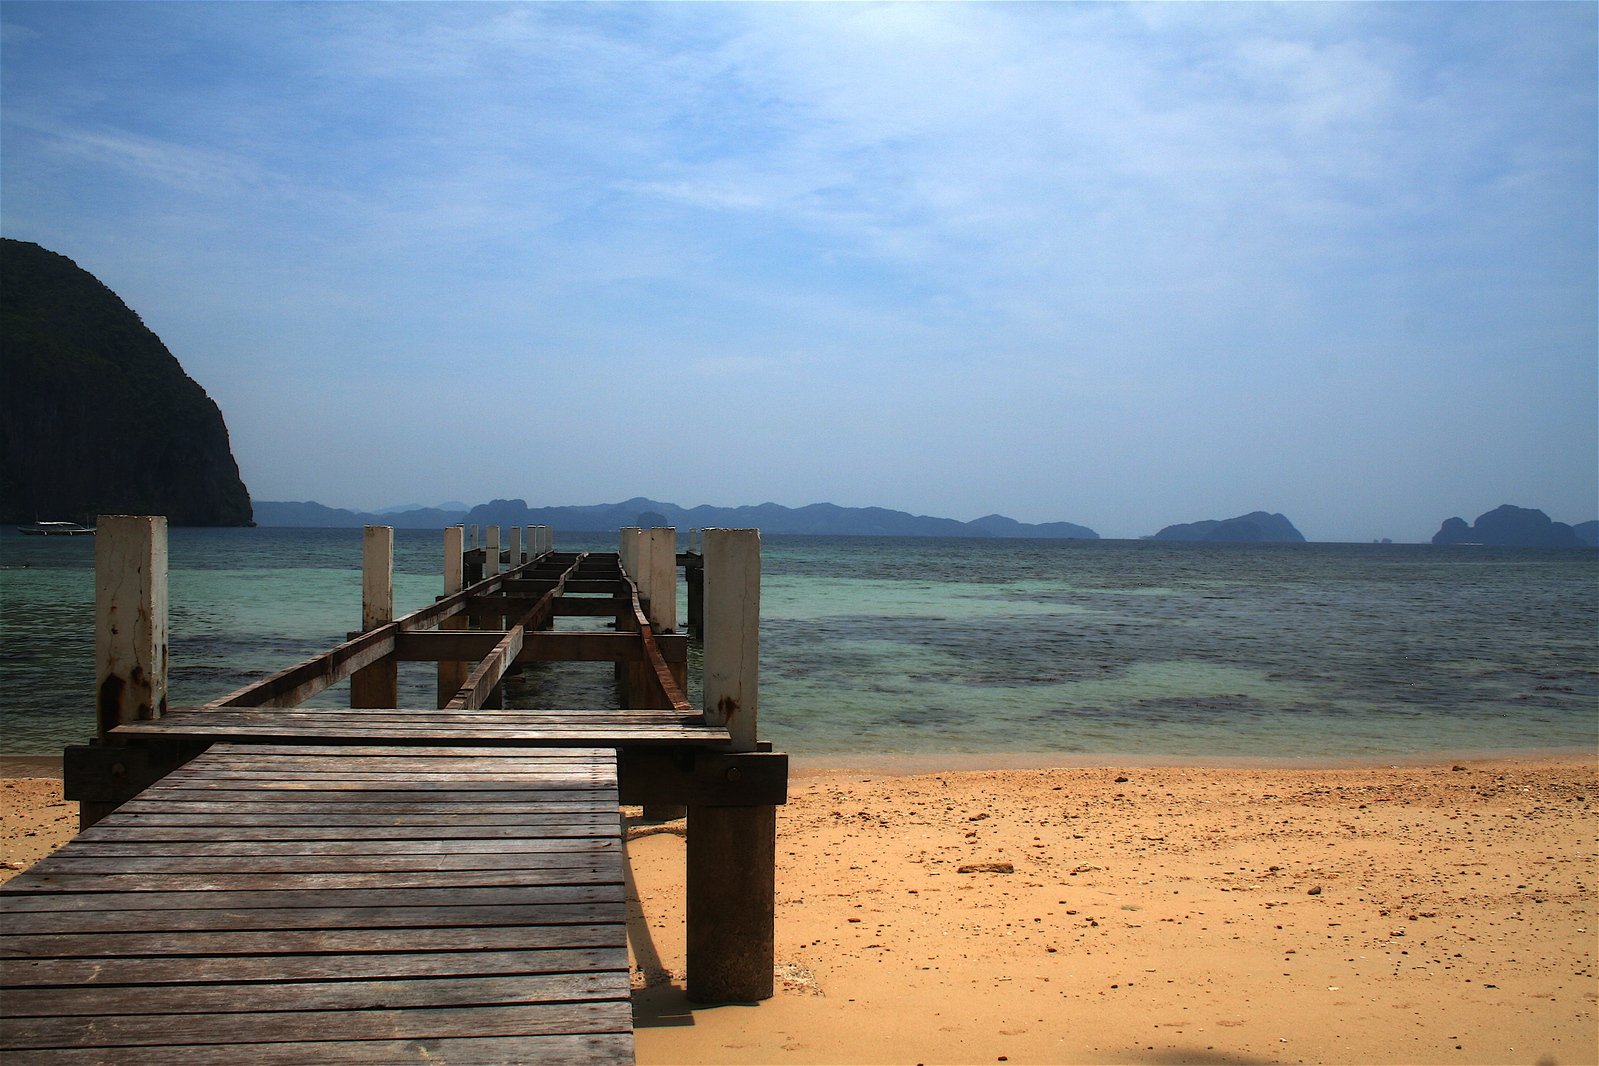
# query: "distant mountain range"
{"type": "Point", "coordinates": [817, 519]}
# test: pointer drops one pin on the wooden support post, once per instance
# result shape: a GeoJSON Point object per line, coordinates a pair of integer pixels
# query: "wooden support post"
{"type": "Point", "coordinates": [733, 631]}
{"type": "Point", "coordinates": [130, 630]}
{"type": "Point", "coordinates": [627, 542]}
{"type": "Point", "coordinates": [377, 685]}
{"type": "Point", "coordinates": [513, 547]}
{"type": "Point", "coordinates": [452, 675]}
{"type": "Point", "coordinates": [732, 852]}
{"type": "Point", "coordinates": [623, 621]}
{"type": "Point", "coordinates": [130, 606]}
{"type": "Point", "coordinates": [659, 548]}
{"type": "Point", "coordinates": [472, 540]}
{"type": "Point", "coordinates": [491, 568]}
{"type": "Point", "coordinates": [732, 866]}
{"type": "Point", "coordinates": [694, 578]}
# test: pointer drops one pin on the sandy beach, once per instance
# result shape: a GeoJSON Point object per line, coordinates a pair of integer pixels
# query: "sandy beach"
{"type": "Point", "coordinates": [1415, 914]}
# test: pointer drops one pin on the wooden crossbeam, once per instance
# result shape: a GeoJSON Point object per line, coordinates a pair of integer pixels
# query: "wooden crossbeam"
{"type": "Point", "coordinates": [487, 674]}
{"type": "Point", "coordinates": [471, 645]}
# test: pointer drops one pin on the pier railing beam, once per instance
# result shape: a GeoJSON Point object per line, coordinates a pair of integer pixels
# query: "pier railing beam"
{"type": "Point", "coordinates": [377, 685]}
{"type": "Point", "coordinates": [732, 851]}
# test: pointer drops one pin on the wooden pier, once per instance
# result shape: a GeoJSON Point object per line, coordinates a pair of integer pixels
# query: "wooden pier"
{"type": "Point", "coordinates": [256, 881]}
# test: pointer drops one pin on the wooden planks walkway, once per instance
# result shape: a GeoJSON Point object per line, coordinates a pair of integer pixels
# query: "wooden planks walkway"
{"type": "Point", "coordinates": [314, 903]}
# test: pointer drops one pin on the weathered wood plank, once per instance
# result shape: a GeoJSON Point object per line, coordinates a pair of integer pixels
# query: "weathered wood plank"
{"type": "Point", "coordinates": [270, 882]}
{"type": "Point", "coordinates": [239, 1028]}
{"type": "Point", "coordinates": [79, 862]}
{"type": "Point", "coordinates": [295, 942]}
{"type": "Point", "coordinates": [466, 991]}
{"type": "Point", "coordinates": [378, 792]}
{"type": "Point", "coordinates": [181, 833]}
{"type": "Point", "coordinates": [580, 823]}
{"type": "Point", "coordinates": [290, 995]}
{"type": "Point", "coordinates": [44, 923]}
{"type": "Point", "coordinates": [459, 754]}
{"type": "Point", "coordinates": [290, 802]}
{"type": "Point", "coordinates": [335, 727]}
{"type": "Point", "coordinates": [33, 973]}
{"type": "Point", "coordinates": [430, 780]}
{"type": "Point", "coordinates": [604, 886]}
{"type": "Point", "coordinates": [578, 850]}
{"type": "Point", "coordinates": [591, 1049]}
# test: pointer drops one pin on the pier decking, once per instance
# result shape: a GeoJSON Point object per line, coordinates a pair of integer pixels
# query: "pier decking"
{"type": "Point", "coordinates": [320, 904]}
{"type": "Point", "coordinates": [261, 882]}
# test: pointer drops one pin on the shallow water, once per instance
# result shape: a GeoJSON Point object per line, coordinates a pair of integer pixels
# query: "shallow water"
{"type": "Point", "coordinates": [937, 645]}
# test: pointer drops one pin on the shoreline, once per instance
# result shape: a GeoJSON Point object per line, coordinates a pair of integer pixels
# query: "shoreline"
{"type": "Point", "coordinates": [908, 764]}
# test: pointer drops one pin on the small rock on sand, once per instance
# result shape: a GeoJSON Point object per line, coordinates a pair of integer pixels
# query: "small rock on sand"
{"type": "Point", "coordinates": [987, 868]}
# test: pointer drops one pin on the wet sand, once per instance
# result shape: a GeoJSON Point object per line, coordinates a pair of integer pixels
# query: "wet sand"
{"type": "Point", "coordinates": [1158, 914]}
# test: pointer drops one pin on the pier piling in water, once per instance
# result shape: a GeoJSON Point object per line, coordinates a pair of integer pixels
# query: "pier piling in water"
{"type": "Point", "coordinates": [377, 685]}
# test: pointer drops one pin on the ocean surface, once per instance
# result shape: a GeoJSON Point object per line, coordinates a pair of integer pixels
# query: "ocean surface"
{"type": "Point", "coordinates": [942, 646]}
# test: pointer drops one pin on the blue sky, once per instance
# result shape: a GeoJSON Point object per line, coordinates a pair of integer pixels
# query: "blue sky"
{"type": "Point", "coordinates": [1120, 265]}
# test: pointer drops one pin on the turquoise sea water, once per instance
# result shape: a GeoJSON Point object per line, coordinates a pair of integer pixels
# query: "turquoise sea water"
{"type": "Point", "coordinates": [938, 646]}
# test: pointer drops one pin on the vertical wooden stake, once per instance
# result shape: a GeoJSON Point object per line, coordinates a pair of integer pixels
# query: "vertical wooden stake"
{"type": "Point", "coordinates": [491, 551]}
{"type": "Point", "coordinates": [626, 541]}
{"type": "Point", "coordinates": [130, 630]}
{"type": "Point", "coordinates": [452, 675]}
{"type": "Point", "coordinates": [732, 857]}
{"type": "Point", "coordinates": [731, 890]}
{"type": "Point", "coordinates": [624, 618]}
{"type": "Point", "coordinates": [658, 562]}
{"type": "Point", "coordinates": [130, 607]}
{"type": "Point", "coordinates": [659, 548]}
{"type": "Point", "coordinates": [377, 685]}
{"type": "Point", "coordinates": [513, 547]}
{"type": "Point", "coordinates": [694, 578]}
{"type": "Point", "coordinates": [472, 541]}
{"type": "Point", "coordinates": [732, 604]}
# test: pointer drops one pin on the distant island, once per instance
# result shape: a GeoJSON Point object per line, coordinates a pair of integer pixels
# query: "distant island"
{"type": "Point", "coordinates": [1507, 526]}
{"type": "Point", "coordinates": [96, 415]}
{"type": "Point", "coordinates": [817, 519]}
{"type": "Point", "coordinates": [1257, 527]}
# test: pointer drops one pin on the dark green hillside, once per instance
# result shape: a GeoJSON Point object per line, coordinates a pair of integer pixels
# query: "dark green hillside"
{"type": "Point", "coordinates": [96, 416]}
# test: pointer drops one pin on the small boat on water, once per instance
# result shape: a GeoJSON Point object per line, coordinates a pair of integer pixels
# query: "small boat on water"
{"type": "Point", "coordinates": [56, 529]}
